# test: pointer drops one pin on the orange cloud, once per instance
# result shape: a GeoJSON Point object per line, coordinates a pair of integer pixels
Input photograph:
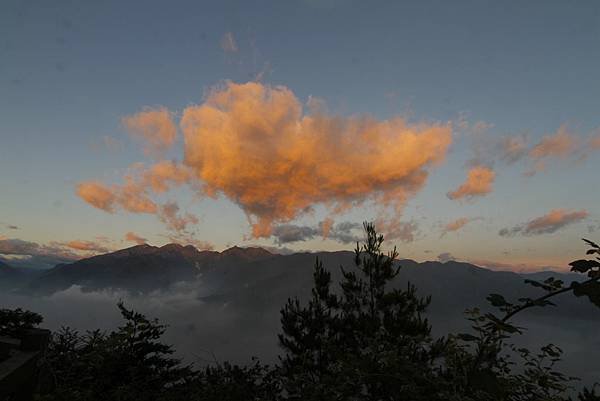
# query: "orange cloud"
{"type": "Point", "coordinates": [258, 146]}
{"type": "Point", "coordinates": [134, 195]}
{"type": "Point", "coordinates": [130, 197]}
{"type": "Point", "coordinates": [560, 144]}
{"type": "Point", "coordinates": [326, 226]}
{"type": "Point", "coordinates": [133, 237]}
{"type": "Point", "coordinates": [457, 224]}
{"type": "Point", "coordinates": [155, 127]}
{"type": "Point", "coordinates": [594, 142]}
{"type": "Point", "coordinates": [479, 183]}
{"type": "Point", "coordinates": [546, 224]}
{"type": "Point", "coordinates": [554, 220]}
{"type": "Point", "coordinates": [255, 144]}
{"type": "Point", "coordinates": [86, 246]}
{"type": "Point", "coordinates": [97, 195]}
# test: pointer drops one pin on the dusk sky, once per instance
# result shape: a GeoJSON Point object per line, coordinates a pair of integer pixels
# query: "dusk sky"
{"type": "Point", "coordinates": [464, 129]}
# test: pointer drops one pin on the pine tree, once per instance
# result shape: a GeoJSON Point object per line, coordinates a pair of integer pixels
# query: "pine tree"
{"type": "Point", "coordinates": [369, 342]}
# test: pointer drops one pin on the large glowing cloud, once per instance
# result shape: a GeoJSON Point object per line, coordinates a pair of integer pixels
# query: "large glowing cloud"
{"type": "Point", "coordinates": [256, 145]}
{"type": "Point", "coordinates": [479, 183]}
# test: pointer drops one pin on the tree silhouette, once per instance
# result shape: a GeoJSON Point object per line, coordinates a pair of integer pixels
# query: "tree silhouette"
{"type": "Point", "coordinates": [369, 341]}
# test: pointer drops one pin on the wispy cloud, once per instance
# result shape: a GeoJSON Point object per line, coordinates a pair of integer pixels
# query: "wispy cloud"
{"type": "Point", "coordinates": [228, 43]}
{"type": "Point", "coordinates": [561, 144]}
{"type": "Point", "coordinates": [546, 224]}
{"type": "Point", "coordinates": [513, 148]}
{"type": "Point", "coordinates": [456, 225]}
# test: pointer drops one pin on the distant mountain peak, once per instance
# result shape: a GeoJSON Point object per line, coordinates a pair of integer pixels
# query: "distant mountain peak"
{"type": "Point", "coordinates": [134, 250]}
{"type": "Point", "coordinates": [249, 253]}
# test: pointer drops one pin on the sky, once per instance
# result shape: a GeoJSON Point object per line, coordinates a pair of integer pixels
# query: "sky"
{"type": "Point", "coordinates": [465, 130]}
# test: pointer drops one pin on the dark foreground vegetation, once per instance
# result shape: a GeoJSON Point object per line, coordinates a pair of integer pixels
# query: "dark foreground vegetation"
{"type": "Point", "coordinates": [361, 340]}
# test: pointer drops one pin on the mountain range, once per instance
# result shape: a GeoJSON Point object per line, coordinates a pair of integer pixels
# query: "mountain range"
{"type": "Point", "coordinates": [231, 299]}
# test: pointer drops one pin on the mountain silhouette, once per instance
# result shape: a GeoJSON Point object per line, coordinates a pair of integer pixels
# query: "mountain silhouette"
{"type": "Point", "coordinates": [141, 268]}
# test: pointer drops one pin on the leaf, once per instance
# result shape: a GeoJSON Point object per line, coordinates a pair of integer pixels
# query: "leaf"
{"type": "Point", "coordinates": [497, 300]}
{"type": "Point", "coordinates": [589, 289]}
{"type": "Point", "coordinates": [583, 265]}
{"type": "Point", "coordinates": [467, 337]}
{"type": "Point", "coordinates": [591, 243]}
{"type": "Point", "coordinates": [538, 284]}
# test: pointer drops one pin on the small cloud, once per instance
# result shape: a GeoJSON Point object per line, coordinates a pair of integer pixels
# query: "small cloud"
{"type": "Point", "coordinates": [345, 232]}
{"type": "Point", "coordinates": [446, 257]}
{"type": "Point", "coordinates": [546, 224]}
{"type": "Point", "coordinates": [133, 237]}
{"type": "Point", "coordinates": [513, 148]}
{"type": "Point", "coordinates": [168, 214]}
{"type": "Point", "coordinates": [393, 229]}
{"type": "Point", "coordinates": [228, 43]}
{"type": "Point", "coordinates": [457, 224]}
{"type": "Point", "coordinates": [479, 183]}
{"type": "Point", "coordinates": [287, 233]}
{"type": "Point", "coordinates": [155, 127]}
{"type": "Point", "coordinates": [561, 144]}
{"type": "Point", "coordinates": [594, 141]}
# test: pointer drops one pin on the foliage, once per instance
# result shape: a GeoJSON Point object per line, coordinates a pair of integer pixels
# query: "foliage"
{"type": "Point", "coordinates": [482, 362]}
{"type": "Point", "coordinates": [127, 364]}
{"type": "Point", "coordinates": [368, 342]}
{"type": "Point", "coordinates": [255, 382]}
{"type": "Point", "coordinates": [14, 321]}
